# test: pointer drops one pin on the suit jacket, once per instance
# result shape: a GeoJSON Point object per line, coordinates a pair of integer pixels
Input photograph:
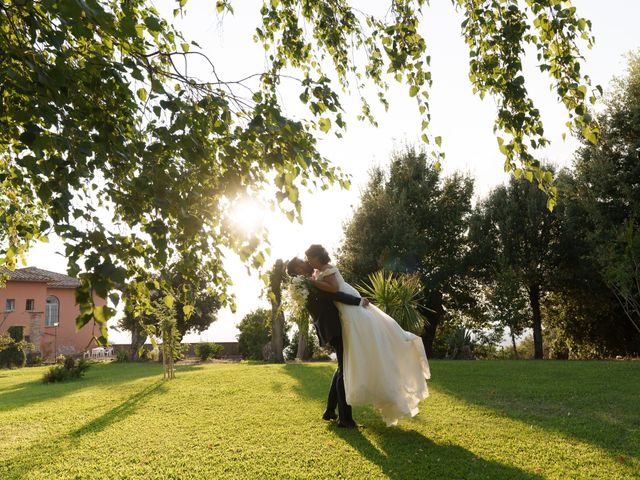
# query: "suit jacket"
{"type": "Point", "coordinates": [324, 313]}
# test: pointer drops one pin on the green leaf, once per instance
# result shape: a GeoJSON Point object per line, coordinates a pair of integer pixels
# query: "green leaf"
{"type": "Point", "coordinates": [98, 314]}
{"type": "Point", "coordinates": [187, 310]}
{"type": "Point", "coordinates": [413, 91]}
{"type": "Point", "coordinates": [168, 301]}
{"type": "Point", "coordinates": [325, 124]}
{"type": "Point", "coordinates": [501, 146]}
{"type": "Point", "coordinates": [589, 135]}
{"type": "Point", "coordinates": [438, 141]}
{"type": "Point", "coordinates": [142, 94]}
{"type": "Point", "coordinates": [185, 47]}
{"type": "Point", "coordinates": [153, 24]}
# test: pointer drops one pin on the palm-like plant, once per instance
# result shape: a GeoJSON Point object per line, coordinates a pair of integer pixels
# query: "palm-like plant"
{"type": "Point", "coordinates": [457, 340]}
{"type": "Point", "coordinates": [399, 296]}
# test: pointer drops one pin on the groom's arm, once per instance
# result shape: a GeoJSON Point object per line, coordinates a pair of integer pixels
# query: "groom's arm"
{"type": "Point", "coordinates": [340, 297]}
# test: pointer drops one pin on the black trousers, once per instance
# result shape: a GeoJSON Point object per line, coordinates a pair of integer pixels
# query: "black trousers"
{"type": "Point", "coordinates": [337, 396]}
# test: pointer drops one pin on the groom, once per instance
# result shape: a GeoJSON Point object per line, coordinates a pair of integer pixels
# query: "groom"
{"type": "Point", "coordinates": [326, 319]}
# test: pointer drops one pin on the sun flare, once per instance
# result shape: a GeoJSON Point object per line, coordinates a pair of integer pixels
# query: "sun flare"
{"type": "Point", "coordinates": [249, 216]}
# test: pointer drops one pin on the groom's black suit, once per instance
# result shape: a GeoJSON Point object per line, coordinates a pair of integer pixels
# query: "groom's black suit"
{"type": "Point", "coordinates": [326, 319]}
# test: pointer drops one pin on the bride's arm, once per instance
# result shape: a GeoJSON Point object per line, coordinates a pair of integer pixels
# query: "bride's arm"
{"type": "Point", "coordinates": [327, 284]}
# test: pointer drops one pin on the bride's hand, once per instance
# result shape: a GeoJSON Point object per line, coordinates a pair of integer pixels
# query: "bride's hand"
{"type": "Point", "coordinates": [365, 302]}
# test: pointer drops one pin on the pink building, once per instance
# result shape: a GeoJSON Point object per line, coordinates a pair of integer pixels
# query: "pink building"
{"type": "Point", "coordinates": [44, 304]}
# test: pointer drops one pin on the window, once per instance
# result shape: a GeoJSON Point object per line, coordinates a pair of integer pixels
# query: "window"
{"type": "Point", "coordinates": [10, 305]}
{"type": "Point", "coordinates": [51, 311]}
{"type": "Point", "coordinates": [31, 305]}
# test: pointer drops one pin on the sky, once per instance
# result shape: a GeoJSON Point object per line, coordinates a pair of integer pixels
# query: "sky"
{"type": "Point", "coordinates": [464, 122]}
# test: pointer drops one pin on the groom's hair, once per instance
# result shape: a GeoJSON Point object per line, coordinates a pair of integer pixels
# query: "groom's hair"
{"type": "Point", "coordinates": [291, 266]}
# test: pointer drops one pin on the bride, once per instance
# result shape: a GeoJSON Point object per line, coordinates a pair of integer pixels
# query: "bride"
{"type": "Point", "coordinates": [384, 366]}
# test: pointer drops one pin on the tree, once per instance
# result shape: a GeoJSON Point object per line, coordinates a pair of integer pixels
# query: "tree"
{"type": "Point", "coordinates": [170, 337]}
{"type": "Point", "coordinates": [605, 208]}
{"type": "Point", "coordinates": [513, 231]}
{"type": "Point", "coordinates": [507, 305]}
{"type": "Point", "coordinates": [277, 312]}
{"type": "Point", "coordinates": [107, 141]}
{"type": "Point", "coordinates": [132, 163]}
{"type": "Point", "coordinates": [303, 345]}
{"type": "Point", "coordinates": [254, 333]}
{"type": "Point", "coordinates": [413, 221]}
{"type": "Point", "coordinates": [194, 313]}
{"type": "Point", "coordinates": [606, 181]}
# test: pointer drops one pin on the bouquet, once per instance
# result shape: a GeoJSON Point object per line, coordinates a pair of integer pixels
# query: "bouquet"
{"type": "Point", "coordinates": [296, 294]}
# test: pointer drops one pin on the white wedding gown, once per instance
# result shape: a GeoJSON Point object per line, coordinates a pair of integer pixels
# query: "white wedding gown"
{"type": "Point", "coordinates": [384, 365]}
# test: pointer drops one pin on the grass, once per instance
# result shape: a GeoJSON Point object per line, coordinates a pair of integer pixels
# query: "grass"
{"type": "Point", "coordinates": [483, 420]}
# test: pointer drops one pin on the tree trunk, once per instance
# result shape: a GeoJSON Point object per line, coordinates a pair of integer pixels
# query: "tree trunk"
{"type": "Point", "coordinates": [534, 298]}
{"type": "Point", "coordinates": [302, 344]}
{"type": "Point", "coordinates": [434, 319]}
{"type": "Point", "coordinates": [277, 316]}
{"type": "Point", "coordinates": [138, 337]}
{"type": "Point", "coordinates": [513, 342]}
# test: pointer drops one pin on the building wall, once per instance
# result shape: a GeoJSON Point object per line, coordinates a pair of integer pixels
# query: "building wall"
{"type": "Point", "coordinates": [63, 339]}
{"type": "Point", "coordinates": [21, 291]}
{"type": "Point", "coordinates": [66, 340]}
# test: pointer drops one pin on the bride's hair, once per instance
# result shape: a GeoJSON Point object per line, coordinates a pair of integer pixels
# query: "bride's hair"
{"type": "Point", "coordinates": [319, 252]}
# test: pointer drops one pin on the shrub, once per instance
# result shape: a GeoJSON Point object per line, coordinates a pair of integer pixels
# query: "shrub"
{"type": "Point", "coordinates": [69, 363]}
{"type": "Point", "coordinates": [254, 334]}
{"type": "Point", "coordinates": [312, 350]}
{"type": "Point", "coordinates": [16, 332]}
{"type": "Point", "coordinates": [208, 350]}
{"type": "Point", "coordinates": [121, 356]}
{"type": "Point", "coordinates": [12, 353]}
{"type": "Point", "coordinates": [60, 359]}
{"type": "Point", "coordinates": [460, 344]}
{"type": "Point", "coordinates": [57, 373]}
{"type": "Point", "coordinates": [34, 359]}
{"type": "Point", "coordinates": [153, 355]}
{"type": "Point", "coordinates": [70, 370]}
{"type": "Point", "coordinates": [13, 357]}
{"type": "Point", "coordinates": [144, 355]}
{"type": "Point", "coordinates": [399, 296]}
{"type": "Point", "coordinates": [80, 368]}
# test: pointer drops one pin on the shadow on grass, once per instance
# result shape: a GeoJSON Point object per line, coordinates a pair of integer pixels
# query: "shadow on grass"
{"type": "Point", "coordinates": [38, 454]}
{"type": "Point", "coordinates": [120, 412]}
{"type": "Point", "coordinates": [405, 454]}
{"type": "Point", "coordinates": [593, 402]}
{"type": "Point", "coordinates": [402, 453]}
{"type": "Point", "coordinates": [104, 374]}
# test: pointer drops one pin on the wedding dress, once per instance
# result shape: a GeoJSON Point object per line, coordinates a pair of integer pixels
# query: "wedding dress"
{"type": "Point", "coordinates": [384, 366]}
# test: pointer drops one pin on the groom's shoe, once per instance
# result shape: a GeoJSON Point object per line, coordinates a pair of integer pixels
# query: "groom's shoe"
{"type": "Point", "coordinates": [347, 424]}
{"type": "Point", "coordinates": [327, 415]}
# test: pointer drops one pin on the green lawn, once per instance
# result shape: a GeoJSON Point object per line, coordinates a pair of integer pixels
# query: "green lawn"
{"type": "Point", "coordinates": [483, 420]}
